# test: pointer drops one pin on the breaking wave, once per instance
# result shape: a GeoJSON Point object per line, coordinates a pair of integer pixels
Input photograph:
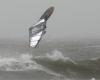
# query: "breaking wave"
{"type": "Point", "coordinates": [52, 63]}
{"type": "Point", "coordinates": [23, 62]}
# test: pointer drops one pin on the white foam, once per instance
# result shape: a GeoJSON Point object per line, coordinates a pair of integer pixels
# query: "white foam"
{"type": "Point", "coordinates": [93, 79]}
{"type": "Point", "coordinates": [23, 62]}
{"type": "Point", "coordinates": [54, 55]}
{"type": "Point", "coordinates": [57, 55]}
{"type": "Point", "coordinates": [26, 62]}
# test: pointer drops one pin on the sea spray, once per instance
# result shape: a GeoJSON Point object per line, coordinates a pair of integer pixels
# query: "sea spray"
{"type": "Point", "coordinates": [20, 63]}
{"type": "Point", "coordinates": [54, 63]}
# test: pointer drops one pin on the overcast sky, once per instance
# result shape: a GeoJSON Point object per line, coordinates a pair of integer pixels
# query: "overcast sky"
{"type": "Point", "coordinates": [71, 18]}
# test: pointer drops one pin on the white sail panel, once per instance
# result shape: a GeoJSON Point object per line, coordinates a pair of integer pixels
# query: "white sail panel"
{"type": "Point", "coordinates": [35, 39]}
{"type": "Point", "coordinates": [33, 43]}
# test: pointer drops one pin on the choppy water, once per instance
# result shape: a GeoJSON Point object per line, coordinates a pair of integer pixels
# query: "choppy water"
{"type": "Point", "coordinates": [52, 65]}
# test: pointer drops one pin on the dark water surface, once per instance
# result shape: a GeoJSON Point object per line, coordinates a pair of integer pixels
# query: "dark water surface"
{"type": "Point", "coordinates": [61, 60]}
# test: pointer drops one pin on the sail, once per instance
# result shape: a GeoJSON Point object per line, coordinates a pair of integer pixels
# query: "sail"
{"type": "Point", "coordinates": [35, 39]}
{"type": "Point", "coordinates": [35, 34]}
{"type": "Point", "coordinates": [38, 30]}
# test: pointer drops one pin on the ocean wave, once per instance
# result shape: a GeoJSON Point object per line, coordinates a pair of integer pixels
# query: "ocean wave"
{"type": "Point", "coordinates": [24, 62]}
{"type": "Point", "coordinates": [53, 63]}
{"type": "Point", "coordinates": [20, 63]}
{"type": "Point", "coordinates": [56, 62]}
{"type": "Point", "coordinates": [55, 56]}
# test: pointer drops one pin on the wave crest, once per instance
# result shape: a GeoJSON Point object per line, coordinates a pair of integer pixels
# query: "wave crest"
{"type": "Point", "coordinates": [23, 62]}
{"type": "Point", "coordinates": [53, 63]}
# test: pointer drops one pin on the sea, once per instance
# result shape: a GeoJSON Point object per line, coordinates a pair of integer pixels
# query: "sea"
{"type": "Point", "coordinates": [51, 60]}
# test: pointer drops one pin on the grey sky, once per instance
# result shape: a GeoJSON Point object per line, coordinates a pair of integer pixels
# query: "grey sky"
{"type": "Point", "coordinates": [71, 18]}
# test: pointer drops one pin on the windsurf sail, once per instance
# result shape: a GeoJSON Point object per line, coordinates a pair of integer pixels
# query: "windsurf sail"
{"type": "Point", "coordinates": [37, 31]}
